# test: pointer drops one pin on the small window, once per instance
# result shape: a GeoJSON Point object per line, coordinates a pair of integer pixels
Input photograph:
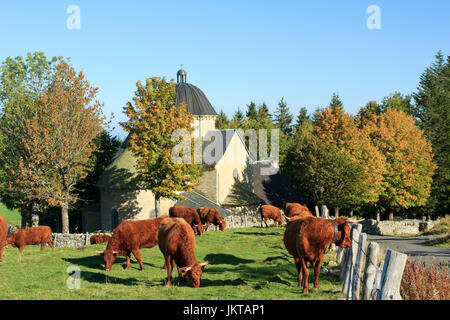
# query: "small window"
{"type": "Point", "coordinates": [235, 173]}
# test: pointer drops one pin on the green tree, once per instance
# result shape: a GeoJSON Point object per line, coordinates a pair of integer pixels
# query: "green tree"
{"type": "Point", "coordinates": [252, 112]}
{"type": "Point", "coordinates": [336, 103]}
{"type": "Point", "coordinates": [432, 111]}
{"type": "Point", "coordinates": [152, 120]}
{"type": "Point", "coordinates": [222, 121]}
{"type": "Point", "coordinates": [398, 102]}
{"type": "Point", "coordinates": [22, 82]}
{"type": "Point", "coordinates": [302, 117]}
{"type": "Point", "coordinates": [283, 118]}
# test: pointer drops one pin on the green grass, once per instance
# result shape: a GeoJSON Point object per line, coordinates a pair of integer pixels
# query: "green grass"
{"type": "Point", "coordinates": [245, 264]}
{"type": "Point", "coordinates": [12, 216]}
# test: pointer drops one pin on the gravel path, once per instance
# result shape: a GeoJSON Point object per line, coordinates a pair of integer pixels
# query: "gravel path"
{"type": "Point", "coordinates": [414, 247]}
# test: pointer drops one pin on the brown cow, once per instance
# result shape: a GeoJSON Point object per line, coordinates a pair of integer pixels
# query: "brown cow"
{"type": "Point", "coordinates": [100, 238]}
{"type": "Point", "coordinates": [190, 215]}
{"type": "Point", "coordinates": [270, 212]}
{"type": "Point", "coordinates": [211, 215]}
{"type": "Point", "coordinates": [3, 234]}
{"type": "Point", "coordinates": [291, 207]}
{"type": "Point", "coordinates": [129, 237]}
{"type": "Point", "coordinates": [299, 210]}
{"type": "Point", "coordinates": [176, 241]}
{"type": "Point", "coordinates": [306, 239]}
{"type": "Point", "coordinates": [34, 235]}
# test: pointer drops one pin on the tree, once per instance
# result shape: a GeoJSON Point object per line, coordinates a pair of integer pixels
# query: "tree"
{"type": "Point", "coordinates": [61, 139]}
{"type": "Point", "coordinates": [398, 102]}
{"type": "Point", "coordinates": [222, 121]}
{"type": "Point", "coordinates": [432, 111]}
{"type": "Point", "coordinates": [252, 113]}
{"type": "Point", "coordinates": [338, 129]}
{"type": "Point", "coordinates": [22, 83]}
{"type": "Point", "coordinates": [408, 167]}
{"type": "Point", "coordinates": [238, 119]}
{"type": "Point", "coordinates": [336, 103]}
{"type": "Point", "coordinates": [152, 120]}
{"type": "Point", "coordinates": [302, 117]}
{"type": "Point", "coordinates": [283, 118]}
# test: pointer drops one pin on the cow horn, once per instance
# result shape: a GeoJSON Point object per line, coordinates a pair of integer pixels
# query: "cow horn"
{"type": "Point", "coordinates": [185, 269]}
{"type": "Point", "coordinates": [115, 252]}
{"type": "Point", "coordinates": [99, 251]}
{"type": "Point", "coordinates": [287, 218]}
{"type": "Point", "coordinates": [204, 263]}
{"type": "Point", "coordinates": [355, 221]}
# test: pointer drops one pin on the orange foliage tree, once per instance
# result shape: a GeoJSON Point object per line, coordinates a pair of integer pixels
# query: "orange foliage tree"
{"type": "Point", "coordinates": [60, 140]}
{"type": "Point", "coordinates": [409, 163]}
{"type": "Point", "coordinates": [338, 130]}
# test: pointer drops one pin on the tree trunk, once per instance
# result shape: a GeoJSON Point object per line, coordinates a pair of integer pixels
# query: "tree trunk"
{"type": "Point", "coordinates": [157, 206]}
{"type": "Point", "coordinates": [24, 213]}
{"type": "Point", "coordinates": [34, 213]}
{"type": "Point", "coordinates": [391, 216]}
{"type": "Point", "coordinates": [336, 212]}
{"type": "Point", "coordinates": [65, 217]}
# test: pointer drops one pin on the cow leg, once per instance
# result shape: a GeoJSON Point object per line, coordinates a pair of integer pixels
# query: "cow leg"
{"type": "Point", "coordinates": [137, 255]}
{"type": "Point", "coordinates": [43, 243]}
{"type": "Point", "coordinates": [1, 252]}
{"type": "Point", "coordinates": [317, 266]}
{"type": "Point", "coordinates": [265, 221]}
{"type": "Point", "coordinates": [128, 261]}
{"type": "Point", "coordinates": [299, 271]}
{"type": "Point", "coordinates": [21, 249]}
{"type": "Point", "coordinates": [305, 275]}
{"type": "Point", "coordinates": [50, 243]}
{"type": "Point", "coordinates": [169, 270]}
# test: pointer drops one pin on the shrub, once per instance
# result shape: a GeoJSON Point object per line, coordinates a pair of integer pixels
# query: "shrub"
{"type": "Point", "coordinates": [425, 282]}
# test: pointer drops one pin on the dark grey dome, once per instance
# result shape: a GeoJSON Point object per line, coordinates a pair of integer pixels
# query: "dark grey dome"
{"type": "Point", "coordinates": [197, 102]}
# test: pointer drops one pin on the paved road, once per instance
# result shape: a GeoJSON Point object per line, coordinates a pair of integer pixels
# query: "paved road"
{"type": "Point", "coordinates": [414, 247]}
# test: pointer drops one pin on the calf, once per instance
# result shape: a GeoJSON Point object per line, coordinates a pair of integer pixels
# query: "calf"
{"type": "Point", "coordinates": [299, 210]}
{"type": "Point", "coordinates": [29, 236]}
{"type": "Point", "coordinates": [306, 239]}
{"type": "Point", "coordinates": [176, 241]}
{"type": "Point", "coordinates": [100, 238]}
{"type": "Point", "coordinates": [3, 234]}
{"type": "Point", "coordinates": [190, 215]}
{"type": "Point", "coordinates": [129, 237]}
{"type": "Point", "coordinates": [211, 215]}
{"type": "Point", "coordinates": [292, 207]}
{"type": "Point", "coordinates": [270, 212]}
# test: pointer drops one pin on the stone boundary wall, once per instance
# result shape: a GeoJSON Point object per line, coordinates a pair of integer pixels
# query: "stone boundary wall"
{"type": "Point", "coordinates": [73, 239]}
{"type": "Point", "coordinates": [243, 217]}
{"type": "Point", "coordinates": [388, 227]}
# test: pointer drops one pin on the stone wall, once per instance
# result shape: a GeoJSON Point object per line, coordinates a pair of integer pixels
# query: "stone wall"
{"type": "Point", "coordinates": [72, 239]}
{"type": "Point", "coordinates": [243, 217]}
{"type": "Point", "coordinates": [388, 227]}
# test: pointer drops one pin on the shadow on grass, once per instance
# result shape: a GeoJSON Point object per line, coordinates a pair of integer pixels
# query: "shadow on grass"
{"type": "Point", "coordinates": [258, 233]}
{"type": "Point", "coordinates": [223, 258]}
{"type": "Point", "coordinates": [105, 279]}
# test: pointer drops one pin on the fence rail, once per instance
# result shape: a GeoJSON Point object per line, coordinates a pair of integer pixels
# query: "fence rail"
{"type": "Point", "coordinates": [368, 273]}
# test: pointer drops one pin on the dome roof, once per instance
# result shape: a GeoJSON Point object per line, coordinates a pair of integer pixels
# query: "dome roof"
{"type": "Point", "coordinates": [196, 101]}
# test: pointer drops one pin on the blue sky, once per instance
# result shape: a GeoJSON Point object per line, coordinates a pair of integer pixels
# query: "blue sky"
{"type": "Point", "coordinates": [237, 51]}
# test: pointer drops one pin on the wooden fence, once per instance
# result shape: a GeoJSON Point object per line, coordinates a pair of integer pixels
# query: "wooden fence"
{"type": "Point", "coordinates": [367, 272]}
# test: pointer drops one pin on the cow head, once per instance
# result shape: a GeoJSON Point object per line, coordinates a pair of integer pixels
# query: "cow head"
{"type": "Point", "coordinates": [109, 256]}
{"type": "Point", "coordinates": [343, 227]}
{"type": "Point", "coordinates": [194, 273]}
{"type": "Point", "coordinates": [222, 225]}
{"type": "Point", "coordinates": [11, 239]}
{"type": "Point", "coordinates": [198, 228]}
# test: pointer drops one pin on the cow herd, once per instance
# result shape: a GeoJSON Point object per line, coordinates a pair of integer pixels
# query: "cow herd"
{"type": "Point", "coordinates": [306, 238]}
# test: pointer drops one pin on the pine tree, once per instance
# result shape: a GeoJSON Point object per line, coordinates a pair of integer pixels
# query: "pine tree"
{"type": "Point", "coordinates": [302, 117]}
{"type": "Point", "coordinates": [252, 113]}
{"type": "Point", "coordinates": [336, 103]}
{"type": "Point", "coordinates": [432, 111]}
{"type": "Point", "coordinates": [283, 118]}
{"type": "Point", "coordinates": [222, 121]}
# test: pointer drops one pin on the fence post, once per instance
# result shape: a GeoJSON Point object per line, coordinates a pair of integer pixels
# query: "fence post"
{"type": "Point", "coordinates": [344, 263]}
{"type": "Point", "coordinates": [391, 277]}
{"type": "Point", "coordinates": [348, 279]}
{"type": "Point", "coordinates": [358, 266]}
{"type": "Point", "coordinates": [316, 208]}
{"type": "Point", "coordinates": [371, 270]}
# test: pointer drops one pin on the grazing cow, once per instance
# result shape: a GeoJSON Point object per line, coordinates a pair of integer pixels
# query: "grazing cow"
{"type": "Point", "coordinates": [190, 215]}
{"type": "Point", "coordinates": [306, 239]}
{"type": "Point", "coordinates": [29, 236]}
{"type": "Point", "coordinates": [129, 237]}
{"type": "Point", "coordinates": [270, 212]}
{"type": "Point", "coordinates": [99, 238]}
{"type": "Point", "coordinates": [3, 234]}
{"type": "Point", "coordinates": [211, 215]}
{"type": "Point", "coordinates": [176, 241]}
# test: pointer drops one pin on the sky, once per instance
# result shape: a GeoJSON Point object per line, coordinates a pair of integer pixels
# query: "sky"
{"type": "Point", "coordinates": [237, 51]}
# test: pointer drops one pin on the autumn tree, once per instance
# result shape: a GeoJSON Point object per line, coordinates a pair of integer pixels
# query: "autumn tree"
{"type": "Point", "coordinates": [23, 80]}
{"type": "Point", "coordinates": [409, 165]}
{"type": "Point", "coordinates": [61, 138]}
{"type": "Point", "coordinates": [338, 129]}
{"type": "Point", "coordinates": [153, 118]}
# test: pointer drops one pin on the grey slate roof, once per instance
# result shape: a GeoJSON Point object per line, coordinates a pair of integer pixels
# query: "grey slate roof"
{"type": "Point", "coordinates": [196, 200]}
{"type": "Point", "coordinates": [196, 100]}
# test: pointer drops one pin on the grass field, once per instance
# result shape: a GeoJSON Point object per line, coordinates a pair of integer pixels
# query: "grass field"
{"type": "Point", "coordinates": [12, 216]}
{"type": "Point", "coordinates": [245, 264]}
